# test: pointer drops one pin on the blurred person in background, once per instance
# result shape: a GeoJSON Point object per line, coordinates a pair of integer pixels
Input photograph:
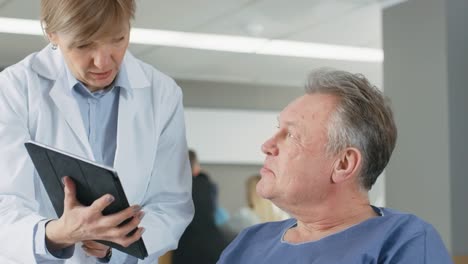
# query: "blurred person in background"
{"type": "Point", "coordinates": [203, 241]}
{"type": "Point", "coordinates": [86, 94]}
{"type": "Point", "coordinates": [331, 145]}
{"type": "Point", "coordinates": [258, 209]}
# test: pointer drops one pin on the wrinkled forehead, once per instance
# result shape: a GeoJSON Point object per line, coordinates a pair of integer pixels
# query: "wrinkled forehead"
{"type": "Point", "coordinates": [309, 111]}
{"type": "Point", "coordinates": [312, 105]}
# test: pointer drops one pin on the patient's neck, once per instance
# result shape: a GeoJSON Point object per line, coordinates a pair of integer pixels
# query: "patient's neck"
{"type": "Point", "coordinates": [329, 217]}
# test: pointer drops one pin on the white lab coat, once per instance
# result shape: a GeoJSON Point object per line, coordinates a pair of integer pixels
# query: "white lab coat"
{"type": "Point", "coordinates": [151, 155]}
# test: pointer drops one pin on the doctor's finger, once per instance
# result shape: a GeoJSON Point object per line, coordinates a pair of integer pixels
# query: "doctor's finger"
{"type": "Point", "coordinates": [126, 241]}
{"type": "Point", "coordinates": [70, 192]}
{"type": "Point", "coordinates": [119, 217]}
{"type": "Point", "coordinates": [100, 253]}
{"type": "Point", "coordinates": [100, 204]}
{"type": "Point", "coordinates": [128, 228]}
{"type": "Point", "coordinates": [95, 245]}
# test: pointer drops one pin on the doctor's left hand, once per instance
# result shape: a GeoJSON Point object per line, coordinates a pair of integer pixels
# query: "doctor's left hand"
{"type": "Point", "coordinates": [82, 223]}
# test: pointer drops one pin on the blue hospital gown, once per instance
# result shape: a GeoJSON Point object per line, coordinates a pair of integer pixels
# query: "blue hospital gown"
{"type": "Point", "coordinates": [393, 237]}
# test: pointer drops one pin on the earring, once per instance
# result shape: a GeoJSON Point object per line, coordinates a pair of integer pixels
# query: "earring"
{"type": "Point", "coordinates": [54, 46]}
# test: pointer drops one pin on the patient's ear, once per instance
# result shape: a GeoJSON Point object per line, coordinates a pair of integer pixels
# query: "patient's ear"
{"type": "Point", "coordinates": [347, 165]}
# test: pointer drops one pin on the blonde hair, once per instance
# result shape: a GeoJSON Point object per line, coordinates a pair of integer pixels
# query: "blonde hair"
{"type": "Point", "coordinates": [85, 20]}
{"type": "Point", "coordinates": [263, 208]}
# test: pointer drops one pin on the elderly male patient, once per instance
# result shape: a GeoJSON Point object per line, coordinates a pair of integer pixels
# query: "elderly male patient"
{"type": "Point", "coordinates": [331, 145]}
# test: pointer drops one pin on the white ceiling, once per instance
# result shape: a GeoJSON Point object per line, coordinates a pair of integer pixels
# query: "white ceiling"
{"type": "Point", "coordinates": [343, 22]}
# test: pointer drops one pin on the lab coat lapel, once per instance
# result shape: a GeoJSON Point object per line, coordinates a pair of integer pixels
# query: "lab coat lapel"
{"type": "Point", "coordinates": [125, 157]}
{"type": "Point", "coordinates": [50, 64]}
{"type": "Point", "coordinates": [128, 163]}
{"type": "Point", "coordinates": [69, 109]}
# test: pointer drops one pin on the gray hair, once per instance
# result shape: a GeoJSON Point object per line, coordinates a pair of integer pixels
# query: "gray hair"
{"type": "Point", "coordinates": [362, 119]}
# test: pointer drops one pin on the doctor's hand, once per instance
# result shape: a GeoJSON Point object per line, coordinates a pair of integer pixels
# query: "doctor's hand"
{"type": "Point", "coordinates": [95, 249]}
{"type": "Point", "coordinates": [81, 223]}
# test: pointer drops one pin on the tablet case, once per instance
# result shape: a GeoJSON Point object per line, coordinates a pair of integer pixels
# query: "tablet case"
{"type": "Point", "coordinates": [92, 181]}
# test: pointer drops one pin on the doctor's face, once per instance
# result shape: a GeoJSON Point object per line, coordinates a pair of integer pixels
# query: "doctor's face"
{"type": "Point", "coordinates": [296, 173]}
{"type": "Point", "coordinates": [94, 62]}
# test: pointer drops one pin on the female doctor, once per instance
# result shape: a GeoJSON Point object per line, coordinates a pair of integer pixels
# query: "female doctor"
{"type": "Point", "coordinates": [86, 94]}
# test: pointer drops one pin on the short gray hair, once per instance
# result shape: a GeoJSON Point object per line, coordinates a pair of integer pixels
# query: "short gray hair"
{"type": "Point", "coordinates": [362, 119]}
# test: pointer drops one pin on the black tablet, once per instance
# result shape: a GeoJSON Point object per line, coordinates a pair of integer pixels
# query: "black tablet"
{"type": "Point", "coordinates": [92, 181]}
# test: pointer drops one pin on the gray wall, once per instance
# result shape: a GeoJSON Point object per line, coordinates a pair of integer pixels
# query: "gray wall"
{"type": "Point", "coordinates": [236, 95]}
{"type": "Point", "coordinates": [457, 36]}
{"type": "Point", "coordinates": [424, 74]}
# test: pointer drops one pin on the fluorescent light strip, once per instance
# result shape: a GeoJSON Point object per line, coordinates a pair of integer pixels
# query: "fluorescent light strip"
{"type": "Point", "coordinates": [221, 43]}
{"type": "Point", "coordinates": [321, 51]}
{"type": "Point", "coordinates": [196, 40]}
{"type": "Point", "coordinates": [20, 26]}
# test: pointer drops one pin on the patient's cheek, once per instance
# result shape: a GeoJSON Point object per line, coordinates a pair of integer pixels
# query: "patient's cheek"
{"type": "Point", "coordinates": [264, 187]}
{"type": "Point", "coordinates": [294, 153]}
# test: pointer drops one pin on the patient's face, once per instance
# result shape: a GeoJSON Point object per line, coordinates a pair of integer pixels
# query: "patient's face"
{"type": "Point", "coordinates": [296, 171]}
